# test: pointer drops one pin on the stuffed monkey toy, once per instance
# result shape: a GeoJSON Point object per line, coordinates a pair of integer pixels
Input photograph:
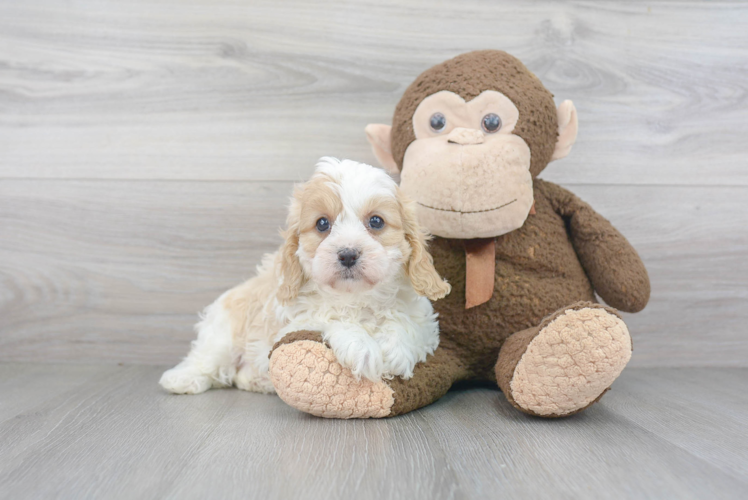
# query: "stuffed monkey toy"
{"type": "Point", "coordinates": [524, 256]}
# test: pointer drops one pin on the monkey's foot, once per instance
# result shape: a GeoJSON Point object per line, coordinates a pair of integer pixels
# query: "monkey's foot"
{"type": "Point", "coordinates": [567, 363]}
{"type": "Point", "coordinates": [306, 375]}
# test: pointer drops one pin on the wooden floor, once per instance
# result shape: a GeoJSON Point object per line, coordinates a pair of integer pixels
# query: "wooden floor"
{"type": "Point", "coordinates": [108, 431]}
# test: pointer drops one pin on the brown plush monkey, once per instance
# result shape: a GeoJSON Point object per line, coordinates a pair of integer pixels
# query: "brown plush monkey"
{"type": "Point", "coordinates": [524, 256]}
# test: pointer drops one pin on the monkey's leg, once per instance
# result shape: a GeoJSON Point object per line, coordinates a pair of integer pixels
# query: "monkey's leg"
{"type": "Point", "coordinates": [566, 363]}
{"type": "Point", "coordinates": [306, 375]}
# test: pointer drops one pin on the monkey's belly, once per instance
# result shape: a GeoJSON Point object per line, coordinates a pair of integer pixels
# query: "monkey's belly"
{"type": "Point", "coordinates": [533, 279]}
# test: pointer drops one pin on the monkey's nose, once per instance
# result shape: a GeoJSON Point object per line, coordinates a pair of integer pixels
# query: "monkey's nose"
{"type": "Point", "coordinates": [348, 257]}
{"type": "Point", "coordinates": [465, 136]}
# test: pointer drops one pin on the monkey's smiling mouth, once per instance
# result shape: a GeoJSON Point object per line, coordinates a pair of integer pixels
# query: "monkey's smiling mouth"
{"type": "Point", "coordinates": [468, 212]}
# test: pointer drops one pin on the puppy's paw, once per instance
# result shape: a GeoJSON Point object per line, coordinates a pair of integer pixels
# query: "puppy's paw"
{"type": "Point", "coordinates": [359, 353]}
{"type": "Point", "coordinates": [399, 361]}
{"type": "Point", "coordinates": [247, 379]}
{"type": "Point", "coordinates": [184, 380]}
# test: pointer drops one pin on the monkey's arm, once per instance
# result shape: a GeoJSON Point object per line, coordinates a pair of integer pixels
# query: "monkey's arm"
{"type": "Point", "coordinates": [613, 266]}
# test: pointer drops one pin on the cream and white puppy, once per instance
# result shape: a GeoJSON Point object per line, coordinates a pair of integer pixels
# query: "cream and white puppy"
{"type": "Point", "coordinates": [353, 266]}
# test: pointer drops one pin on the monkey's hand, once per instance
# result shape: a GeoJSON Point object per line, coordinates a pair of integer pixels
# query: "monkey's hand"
{"type": "Point", "coordinates": [611, 263]}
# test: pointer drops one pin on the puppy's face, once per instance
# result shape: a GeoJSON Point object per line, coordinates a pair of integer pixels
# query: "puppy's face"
{"type": "Point", "coordinates": [350, 230]}
{"type": "Point", "coordinates": [350, 240]}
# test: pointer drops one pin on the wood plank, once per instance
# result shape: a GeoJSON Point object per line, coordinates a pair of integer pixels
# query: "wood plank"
{"type": "Point", "coordinates": [694, 243]}
{"type": "Point", "coordinates": [119, 436]}
{"type": "Point", "coordinates": [114, 434]}
{"type": "Point", "coordinates": [692, 397]}
{"type": "Point", "coordinates": [599, 453]}
{"type": "Point", "coordinates": [26, 386]}
{"type": "Point", "coordinates": [215, 445]}
{"type": "Point", "coordinates": [298, 455]}
{"type": "Point", "coordinates": [116, 271]}
{"type": "Point", "coordinates": [235, 90]}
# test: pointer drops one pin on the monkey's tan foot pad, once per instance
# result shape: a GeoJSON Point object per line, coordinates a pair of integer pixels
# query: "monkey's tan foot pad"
{"type": "Point", "coordinates": [306, 376]}
{"type": "Point", "coordinates": [571, 362]}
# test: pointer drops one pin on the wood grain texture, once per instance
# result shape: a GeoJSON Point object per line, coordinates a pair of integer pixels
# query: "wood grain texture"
{"type": "Point", "coordinates": [116, 271]}
{"type": "Point", "coordinates": [112, 433]}
{"type": "Point", "coordinates": [147, 150]}
{"type": "Point", "coordinates": [227, 89]}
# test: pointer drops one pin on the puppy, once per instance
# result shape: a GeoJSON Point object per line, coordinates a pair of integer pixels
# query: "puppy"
{"type": "Point", "coordinates": [353, 266]}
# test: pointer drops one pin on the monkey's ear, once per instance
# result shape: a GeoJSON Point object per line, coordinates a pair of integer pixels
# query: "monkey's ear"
{"type": "Point", "coordinates": [379, 138]}
{"type": "Point", "coordinates": [567, 130]}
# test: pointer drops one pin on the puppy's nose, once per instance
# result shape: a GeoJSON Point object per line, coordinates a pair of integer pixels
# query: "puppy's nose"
{"type": "Point", "coordinates": [348, 257]}
{"type": "Point", "coordinates": [465, 136]}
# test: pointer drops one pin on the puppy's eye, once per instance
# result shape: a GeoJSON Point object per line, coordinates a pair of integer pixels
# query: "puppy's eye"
{"type": "Point", "coordinates": [376, 222]}
{"type": "Point", "coordinates": [323, 225]}
{"type": "Point", "coordinates": [437, 122]}
{"type": "Point", "coordinates": [491, 123]}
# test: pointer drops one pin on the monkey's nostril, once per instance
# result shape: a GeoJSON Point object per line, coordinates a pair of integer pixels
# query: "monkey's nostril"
{"type": "Point", "coordinates": [348, 257]}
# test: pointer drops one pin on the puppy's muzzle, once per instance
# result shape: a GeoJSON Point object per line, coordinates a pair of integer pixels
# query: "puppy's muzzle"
{"type": "Point", "coordinates": [348, 257]}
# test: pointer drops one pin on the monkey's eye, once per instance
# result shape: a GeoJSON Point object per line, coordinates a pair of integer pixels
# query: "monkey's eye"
{"type": "Point", "coordinates": [437, 122]}
{"type": "Point", "coordinates": [491, 123]}
{"type": "Point", "coordinates": [323, 224]}
{"type": "Point", "coordinates": [376, 222]}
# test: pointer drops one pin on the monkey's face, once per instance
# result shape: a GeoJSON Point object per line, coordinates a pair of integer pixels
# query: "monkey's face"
{"type": "Point", "coordinates": [466, 170]}
{"type": "Point", "coordinates": [468, 137]}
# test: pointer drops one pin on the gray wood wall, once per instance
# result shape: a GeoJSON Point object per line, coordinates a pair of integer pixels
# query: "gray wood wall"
{"type": "Point", "coordinates": [148, 148]}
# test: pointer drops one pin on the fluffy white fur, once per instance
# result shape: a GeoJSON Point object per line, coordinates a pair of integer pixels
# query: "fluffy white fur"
{"type": "Point", "coordinates": [371, 315]}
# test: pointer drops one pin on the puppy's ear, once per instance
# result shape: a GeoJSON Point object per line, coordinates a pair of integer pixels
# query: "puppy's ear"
{"type": "Point", "coordinates": [292, 274]}
{"type": "Point", "coordinates": [420, 267]}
